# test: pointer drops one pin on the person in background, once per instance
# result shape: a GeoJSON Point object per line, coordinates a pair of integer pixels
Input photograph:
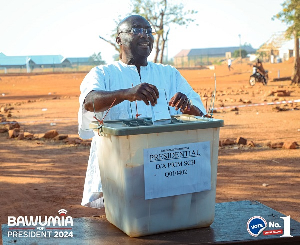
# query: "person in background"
{"type": "Point", "coordinates": [126, 88]}
{"type": "Point", "coordinates": [260, 69]}
{"type": "Point", "coordinates": [229, 63]}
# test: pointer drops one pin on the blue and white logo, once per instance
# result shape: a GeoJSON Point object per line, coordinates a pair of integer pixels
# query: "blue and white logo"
{"type": "Point", "coordinates": [256, 225]}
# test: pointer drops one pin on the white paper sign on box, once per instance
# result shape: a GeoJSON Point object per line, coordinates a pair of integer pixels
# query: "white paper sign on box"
{"type": "Point", "coordinates": [177, 169]}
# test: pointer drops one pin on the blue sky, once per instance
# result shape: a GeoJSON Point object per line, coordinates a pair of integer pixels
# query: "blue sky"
{"type": "Point", "coordinates": [72, 27]}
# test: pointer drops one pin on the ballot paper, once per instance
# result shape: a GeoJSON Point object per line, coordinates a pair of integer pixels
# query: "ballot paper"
{"type": "Point", "coordinates": [160, 112]}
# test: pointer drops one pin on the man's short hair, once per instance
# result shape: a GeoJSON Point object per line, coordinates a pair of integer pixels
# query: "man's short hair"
{"type": "Point", "coordinates": [119, 27]}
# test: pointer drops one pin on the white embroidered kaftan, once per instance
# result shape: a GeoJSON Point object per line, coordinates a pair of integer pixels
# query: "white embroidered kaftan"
{"type": "Point", "coordinates": [121, 76]}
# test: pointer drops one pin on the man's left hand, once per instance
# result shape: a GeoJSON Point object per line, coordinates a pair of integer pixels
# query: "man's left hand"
{"type": "Point", "coordinates": [180, 101]}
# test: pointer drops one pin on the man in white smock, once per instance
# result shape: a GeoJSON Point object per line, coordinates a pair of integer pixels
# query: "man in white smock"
{"type": "Point", "coordinates": [128, 87]}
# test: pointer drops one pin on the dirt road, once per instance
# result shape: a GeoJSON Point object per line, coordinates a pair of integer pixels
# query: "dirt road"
{"type": "Point", "coordinates": [39, 177]}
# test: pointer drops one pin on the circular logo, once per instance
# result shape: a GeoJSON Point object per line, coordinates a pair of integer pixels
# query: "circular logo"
{"type": "Point", "coordinates": [256, 225]}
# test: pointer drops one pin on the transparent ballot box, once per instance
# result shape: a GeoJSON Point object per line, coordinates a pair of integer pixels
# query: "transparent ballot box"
{"type": "Point", "coordinates": [158, 178]}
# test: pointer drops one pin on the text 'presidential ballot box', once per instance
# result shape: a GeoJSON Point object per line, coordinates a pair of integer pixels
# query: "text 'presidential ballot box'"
{"type": "Point", "coordinates": [159, 178]}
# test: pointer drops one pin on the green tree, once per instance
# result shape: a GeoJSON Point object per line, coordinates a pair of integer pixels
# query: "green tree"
{"type": "Point", "coordinates": [290, 15]}
{"type": "Point", "coordinates": [161, 16]}
{"type": "Point", "coordinates": [96, 59]}
{"type": "Point", "coordinates": [236, 53]}
{"type": "Point", "coordinates": [116, 57]}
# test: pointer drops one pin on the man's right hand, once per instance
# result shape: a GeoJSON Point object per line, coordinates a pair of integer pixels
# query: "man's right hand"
{"type": "Point", "coordinates": [97, 101]}
{"type": "Point", "coordinates": [145, 92]}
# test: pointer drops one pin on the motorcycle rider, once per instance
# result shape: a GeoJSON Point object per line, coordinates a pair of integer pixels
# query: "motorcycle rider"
{"type": "Point", "coordinates": [260, 69]}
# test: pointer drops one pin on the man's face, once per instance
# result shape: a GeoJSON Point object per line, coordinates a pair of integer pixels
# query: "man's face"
{"type": "Point", "coordinates": [136, 45]}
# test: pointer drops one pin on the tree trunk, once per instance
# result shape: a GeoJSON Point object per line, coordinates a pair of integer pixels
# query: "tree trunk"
{"type": "Point", "coordinates": [296, 72]}
{"type": "Point", "coordinates": [162, 49]}
{"type": "Point", "coordinates": [161, 58]}
{"type": "Point", "coordinates": [156, 48]}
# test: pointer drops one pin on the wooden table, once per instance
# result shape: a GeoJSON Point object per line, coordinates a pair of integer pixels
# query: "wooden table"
{"type": "Point", "coordinates": [229, 227]}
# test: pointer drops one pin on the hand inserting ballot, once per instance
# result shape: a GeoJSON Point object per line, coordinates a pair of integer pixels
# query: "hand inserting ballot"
{"type": "Point", "coordinates": [180, 101]}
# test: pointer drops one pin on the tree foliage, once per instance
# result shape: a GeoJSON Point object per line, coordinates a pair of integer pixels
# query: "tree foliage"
{"type": "Point", "coordinates": [236, 53]}
{"type": "Point", "coordinates": [290, 14]}
{"type": "Point", "coordinates": [116, 57]}
{"type": "Point", "coordinates": [96, 59]}
{"type": "Point", "coordinates": [162, 15]}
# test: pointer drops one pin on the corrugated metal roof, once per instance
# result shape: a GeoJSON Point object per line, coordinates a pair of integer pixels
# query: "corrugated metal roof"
{"type": "Point", "coordinates": [75, 60]}
{"type": "Point", "coordinates": [12, 60]}
{"type": "Point", "coordinates": [46, 59]}
{"type": "Point", "coordinates": [37, 59]}
{"type": "Point", "coordinates": [212, 51]}
{"type": "Point", "coordinates": [183, 52]}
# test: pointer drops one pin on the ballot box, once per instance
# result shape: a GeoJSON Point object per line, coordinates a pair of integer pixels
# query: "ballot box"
{"type": "Point", "coordinates": [158, 178]}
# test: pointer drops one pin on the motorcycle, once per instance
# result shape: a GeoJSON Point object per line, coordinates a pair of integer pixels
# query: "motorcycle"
{"type": "Point", "coordinates": [257, 77]}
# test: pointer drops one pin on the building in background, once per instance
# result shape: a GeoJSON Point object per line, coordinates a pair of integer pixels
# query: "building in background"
{"type": "Point", "coordinates": [277, 48]}
{"type": "Point", "coordinates": [206, 56]}
{"type": "Point", "coordinates": [79, 60]}
{"type": "Point", "coordinates": [286, 51]}
{"type": "Point", "coordinates": [40, 63]}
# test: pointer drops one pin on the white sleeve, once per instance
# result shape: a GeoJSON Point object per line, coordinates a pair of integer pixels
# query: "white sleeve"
{"type": "Point", "coordinates": [184, 87]}
{"type": "Point", "coordinates": [94, 80]}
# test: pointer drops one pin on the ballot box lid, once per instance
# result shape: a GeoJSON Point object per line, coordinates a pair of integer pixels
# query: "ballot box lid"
{"type": "Point", "coordinates": [146, 126]}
